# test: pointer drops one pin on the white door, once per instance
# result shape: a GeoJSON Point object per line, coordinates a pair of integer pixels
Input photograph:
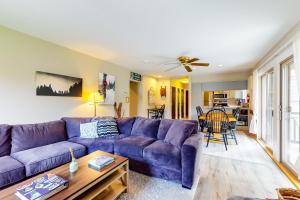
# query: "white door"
{"type": "Point", "coordinates": [268, 108]}
{"type": "Point", "coordinates": [290, 114]}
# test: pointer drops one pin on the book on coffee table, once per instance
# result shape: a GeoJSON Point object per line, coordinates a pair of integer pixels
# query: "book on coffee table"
{"type": "Point", "coordinates": [99, 162]}
{"type": "Point", "coordinates": [42, 188]}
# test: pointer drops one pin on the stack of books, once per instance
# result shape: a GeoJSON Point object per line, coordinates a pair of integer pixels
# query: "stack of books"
{"type": "Point", "coordinates": [42, 188]}
{"type": "Point", "coordinates": [99, 162]}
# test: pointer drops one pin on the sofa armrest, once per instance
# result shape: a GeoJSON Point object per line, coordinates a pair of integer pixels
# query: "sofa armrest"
{"type": "Point", "coordinates": [190, 153]}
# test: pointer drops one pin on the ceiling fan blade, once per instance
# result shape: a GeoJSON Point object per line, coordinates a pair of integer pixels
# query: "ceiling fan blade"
{"type": "Point", "coordinates": [172, 68]}
{"type": "Point", "coordinates": [188, 68]}
{"type": "Point", "coordinates": [169, 63]}
{"type": "Point", "coordinates": [200, 64]}
{"type": "Point", "coordinates": [193, 60]}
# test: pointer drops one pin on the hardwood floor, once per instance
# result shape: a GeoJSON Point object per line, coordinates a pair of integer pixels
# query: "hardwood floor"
{"type": "Point", "coordinates": [244, 170]}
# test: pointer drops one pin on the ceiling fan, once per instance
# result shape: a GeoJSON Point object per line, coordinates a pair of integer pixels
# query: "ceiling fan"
{"type": "Point", "coordinates": [187, 63]}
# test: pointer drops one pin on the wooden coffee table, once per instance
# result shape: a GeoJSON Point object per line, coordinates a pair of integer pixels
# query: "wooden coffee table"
{"type": "Point", "coordinates": [108, 183]}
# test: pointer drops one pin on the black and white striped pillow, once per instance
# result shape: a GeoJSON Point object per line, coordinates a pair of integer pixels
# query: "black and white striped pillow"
{"type": "Point", "coordinates": [106, 127]}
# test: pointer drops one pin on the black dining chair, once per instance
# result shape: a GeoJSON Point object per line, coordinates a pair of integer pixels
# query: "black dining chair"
{"type": "Point", "coordinates": [219, 106]}
{"type": "Point", "coordinates": [217, 122]}
{"type": "Point", "coordinates": [202, 123]}
{"type": "Point", "coordinates": [159, 114]}
{"type": "Point", "coordinates": [232, 125]}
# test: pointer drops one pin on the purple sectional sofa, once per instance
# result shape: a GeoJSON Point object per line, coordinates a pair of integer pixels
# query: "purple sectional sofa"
{"type": "Point", "coordinates": [162, 148]}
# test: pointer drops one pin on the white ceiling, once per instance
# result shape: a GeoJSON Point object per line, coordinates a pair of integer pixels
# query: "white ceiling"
{"type": "Point", "coordinates": [141, 34]}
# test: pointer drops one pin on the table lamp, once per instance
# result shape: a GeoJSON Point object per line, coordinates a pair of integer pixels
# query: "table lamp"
{"type": "Point", "coordinates": [94, 99]}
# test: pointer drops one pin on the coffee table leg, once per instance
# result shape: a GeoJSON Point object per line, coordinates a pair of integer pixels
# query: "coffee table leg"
{"type": "Point", "coordinates": [126, 176]}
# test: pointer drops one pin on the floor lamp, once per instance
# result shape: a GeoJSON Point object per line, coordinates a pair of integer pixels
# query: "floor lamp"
{"type": "Point", "coordinates": [94, 99]}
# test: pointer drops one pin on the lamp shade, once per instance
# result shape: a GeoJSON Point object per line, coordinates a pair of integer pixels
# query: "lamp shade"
{"type": "Point", "coordinates": [95, 97]}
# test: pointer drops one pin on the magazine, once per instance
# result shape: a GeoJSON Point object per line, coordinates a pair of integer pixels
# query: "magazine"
{"type": "Point", "coordinates": [42, 188]}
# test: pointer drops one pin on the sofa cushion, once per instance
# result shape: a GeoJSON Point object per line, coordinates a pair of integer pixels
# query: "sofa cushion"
{"type": "Point", "coordinates": [178, 132]}
{"type": "Point", "coordinates": [11, 171]}
{"type": "Point", "coordinates": [162, 154]}
{"type": "Point", "coordinates": [43, 158]}
{"type": "Point", "coordinates": [94, 144]}
{"type": "Point", "coordinates": [145, 127]}
{"type": "Point", "coordinates": [73, 125]}
{"type": "Point", "coordinates": [5, 139]}
{"type": "Point", "coordinates": [195, 122]}
{"type": "Point", "coordinates": [164, 126]}
{"type": "Point", "coordinates": [132, 146]}
{"type": "Point", "coordinates": [34, 135]}
{"type": "Point", "coordinates": [88, 130]}
{"type": "Point", "coordinates": [125, 125]}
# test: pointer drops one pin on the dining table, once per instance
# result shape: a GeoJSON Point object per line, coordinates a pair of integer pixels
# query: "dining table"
{"type": "Point", "coordinates": [231, 118]}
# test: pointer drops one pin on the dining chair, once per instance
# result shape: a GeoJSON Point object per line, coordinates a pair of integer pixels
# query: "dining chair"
{"type": "Point", "coordinates": [217, 122]}
{"type": "Point", "coordinates": [159, 113]}
{"type": "Point", "coordinates": [219, 106]}
{"type": "Point", "coordinates": [232, 125]}
{"type": "Point", "coordinates": [202, 123]}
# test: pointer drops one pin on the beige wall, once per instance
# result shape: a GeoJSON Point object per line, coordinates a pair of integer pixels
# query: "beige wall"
{"type": "Point", "coordinates": [21, 55]}
{"type": "Point", "coordinates": [144, 86]}
{"type": "Point", "coordinates": [167, 99]}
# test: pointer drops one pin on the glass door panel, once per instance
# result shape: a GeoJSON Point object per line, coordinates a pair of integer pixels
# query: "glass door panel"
{"type": "Point", "coordinates": [267, 108]}
{"type": "Point", "coordinates": [264, 108]}
{"type": "Point", "coordinates": [290, 115]}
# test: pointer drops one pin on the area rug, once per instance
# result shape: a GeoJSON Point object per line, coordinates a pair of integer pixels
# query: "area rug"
{"type": "Point", "coordinates": [149, 188]}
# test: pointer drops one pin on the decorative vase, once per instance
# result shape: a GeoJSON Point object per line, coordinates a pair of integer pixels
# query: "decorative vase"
{"type": "Point", "coordinates": [73, 166]}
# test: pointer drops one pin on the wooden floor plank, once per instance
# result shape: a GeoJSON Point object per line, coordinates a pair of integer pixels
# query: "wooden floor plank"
{"type": "Point", "coordinates": [243, 170]}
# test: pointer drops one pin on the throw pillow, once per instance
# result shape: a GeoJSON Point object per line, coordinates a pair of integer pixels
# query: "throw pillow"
{"type": "Point", "coordinates": [179, 132]}
{"type": "Point", "coordinates": [88, 130]}
{"type": "Point", "coordinates": [106, 127]}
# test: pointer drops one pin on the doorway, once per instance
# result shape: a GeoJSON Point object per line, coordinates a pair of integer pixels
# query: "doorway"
{"type": "Point", "coordinates": [180, 98]}
{"type": "Point", "coordinates": [290, 145]}
{"type": "Point", "coordinates": [133, 103]}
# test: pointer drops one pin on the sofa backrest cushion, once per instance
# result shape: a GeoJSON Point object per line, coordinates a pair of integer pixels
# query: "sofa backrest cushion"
{"type": "Point", "coordinates": [73, 125]}
{"type": "Point", "coordinates": [145, 127]}
{"type": "Point", "coordinates": [29, 136]}
{"type": "Point", "coordinates": [179, 131]}
{"type": "Point", "coordinates": [164, 126]}
{"type": "Point", "coordinates": [5, 140]}
{"type": "Point", "coordinates": [125, 125]}
{"type": "Point", "coordinates": [195, 122]}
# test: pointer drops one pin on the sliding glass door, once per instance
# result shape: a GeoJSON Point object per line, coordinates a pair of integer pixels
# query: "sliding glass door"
{"type": "Point", "coordinates": [267, 83]}
{"type": "Point", "coordinates": [290, 114]}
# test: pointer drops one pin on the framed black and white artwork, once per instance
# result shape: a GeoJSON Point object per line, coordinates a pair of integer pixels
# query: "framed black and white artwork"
{"type": "Point", "coordinates": [48, 84]}
{"type": "Point", "coordinates": [107, 88]}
